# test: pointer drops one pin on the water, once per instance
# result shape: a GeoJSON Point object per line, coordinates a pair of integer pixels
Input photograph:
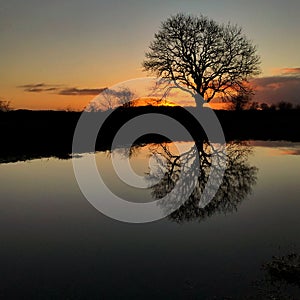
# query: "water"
{"type": "Point", "coordinates": [55, 244]}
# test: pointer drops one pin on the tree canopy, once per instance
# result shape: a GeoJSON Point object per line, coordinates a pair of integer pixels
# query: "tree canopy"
{"type": "Point", "coordinates": [202, 56]}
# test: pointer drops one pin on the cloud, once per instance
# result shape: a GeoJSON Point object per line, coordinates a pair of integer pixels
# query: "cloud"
{"type": "Point", "coordinates": [284, 87]}
{"type": "Point", "coordinates": [287, 71]}
{"type": "Point", "coordinates": [36, 85]}
{"type": "Point", "coordinates": [80, 92]}
{"type": "Point", "coordinates": [39, 87]}
{"type": "Point", "coordinates": [279, 147]}
{"type": "Point", "coordinates": [60, 89]}
{"type": "Point", "coordinates": [291, 71]}
{"type": "Point", "coordinates": [290, 151]}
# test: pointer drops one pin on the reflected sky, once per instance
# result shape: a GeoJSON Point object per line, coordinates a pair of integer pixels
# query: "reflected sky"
{"type": "Point", "coordinates": [55, 244]}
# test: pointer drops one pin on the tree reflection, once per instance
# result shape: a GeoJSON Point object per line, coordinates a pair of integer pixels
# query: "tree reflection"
{"type": "Point", "coordinates": [239, 177]}
{"type": "Point", "coordinates": [281, 278]}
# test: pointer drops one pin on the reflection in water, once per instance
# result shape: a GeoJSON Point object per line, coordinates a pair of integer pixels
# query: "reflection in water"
{"type": "Point", "coordinates": [281, 278]}
{"type": "Point", "coordinates": [55, 245]}
{"type": "Point", "coordinates": [237, 183]}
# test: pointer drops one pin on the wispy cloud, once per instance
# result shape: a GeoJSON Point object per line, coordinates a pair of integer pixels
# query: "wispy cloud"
{"type": "Point", "coordinates": [39, 87]}
{"type": "Point", "coordinates": [290, 151]}
{"type": "Point", "coordinates": [80, 92]}
{"type": "Point", "coordinates": [287, 71]}
{"type": "Point", "coordinates": [60, 89]}
{"type": "Point", "coordinates": [291, 71]}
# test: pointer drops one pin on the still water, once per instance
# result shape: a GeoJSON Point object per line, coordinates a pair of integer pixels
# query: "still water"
{"type": "Point", "coordinates": [55, 244]}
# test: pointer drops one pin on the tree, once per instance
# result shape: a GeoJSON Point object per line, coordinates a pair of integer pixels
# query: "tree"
{"type": "Point", "coordinates": [264, 106]}
{"type": "Point", "coordinates": [254, 105]}
{"type": "Point", "coordinates": [282, 105]}
{"type": "Point", "coordinates": [241, 100]}
{"type": "Point", "coordinates": [125, 97]}
{"type": "Point", "coordinates": [111, 99]}
{"type": "Point", "coordinates": [5, 106]}
{"type": "Point", "coordinates": [201, 56]}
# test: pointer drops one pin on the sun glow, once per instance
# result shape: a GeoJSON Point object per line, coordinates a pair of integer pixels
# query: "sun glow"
{"type": "Point", "coordinates": [152, 101]}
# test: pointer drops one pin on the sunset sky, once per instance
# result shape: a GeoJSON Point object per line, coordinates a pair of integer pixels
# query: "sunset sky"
{"type": "Point", "coordinates": [59, 54]}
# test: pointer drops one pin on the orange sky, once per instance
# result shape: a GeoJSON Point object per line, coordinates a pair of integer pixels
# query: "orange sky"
{"type": "Point", "coordinates": [44, 96]}
{"type": "Point", "coordinates": [155, 102]}
{"type": "Point", "coordinates": [79, 47]}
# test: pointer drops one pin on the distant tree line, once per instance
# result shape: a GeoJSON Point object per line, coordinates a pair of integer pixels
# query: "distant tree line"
{"type": "Point", "coordinates": [282, 105]}
{"type": "Point", "coordinates": [243, 101]}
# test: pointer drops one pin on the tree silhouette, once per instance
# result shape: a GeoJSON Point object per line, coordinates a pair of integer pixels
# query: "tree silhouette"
{"type": "Point", "coordinates": [281, 278]}
{"type": "Point", "coordinates": [283, 105]}
{"type": "Point", "coordinates": [110, 99]}
{"type": "Point", "coordinates": [254, 105]}
{"type": "Point", "coordinates": [264, 106]}
{"type": "Point", "coordinates": [241, 100]}
{"type": "Point", "coordinates": [239, 177]}
{"type": "Point", "coordinates": [5, 106]}
{"type": "Point", "coordinates": [200, 55]}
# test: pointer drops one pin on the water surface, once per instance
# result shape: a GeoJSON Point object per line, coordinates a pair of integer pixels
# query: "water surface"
{"type": "Point", "coordinates": [55, 244]}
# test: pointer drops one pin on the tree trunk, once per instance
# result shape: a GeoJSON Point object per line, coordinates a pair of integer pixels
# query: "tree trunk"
{"type": "Point", "coordinates": [199, 100]}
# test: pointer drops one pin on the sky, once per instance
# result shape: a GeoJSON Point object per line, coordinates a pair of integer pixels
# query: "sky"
{"type": "Point", "coordinates": [60, 54]}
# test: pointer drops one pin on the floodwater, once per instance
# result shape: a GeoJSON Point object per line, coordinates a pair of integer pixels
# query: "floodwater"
{"type": "Point", "coordinates": [56, 245]}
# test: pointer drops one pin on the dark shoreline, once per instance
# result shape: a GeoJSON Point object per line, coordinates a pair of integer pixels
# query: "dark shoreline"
{"type": "Point", "coordinates": [35, 134]}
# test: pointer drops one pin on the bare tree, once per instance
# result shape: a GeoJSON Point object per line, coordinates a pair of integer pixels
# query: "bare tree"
{"type": "Point", "coordinates": [125, 97]}
{"type": "Point", "coordinates": [5, 106]}
{"type": "Point", "coordinates": [204, 57]}
{"type": "Point", "coordinates": [241, 100]}
{"type": "Point", "coordinates": [110, 99]}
